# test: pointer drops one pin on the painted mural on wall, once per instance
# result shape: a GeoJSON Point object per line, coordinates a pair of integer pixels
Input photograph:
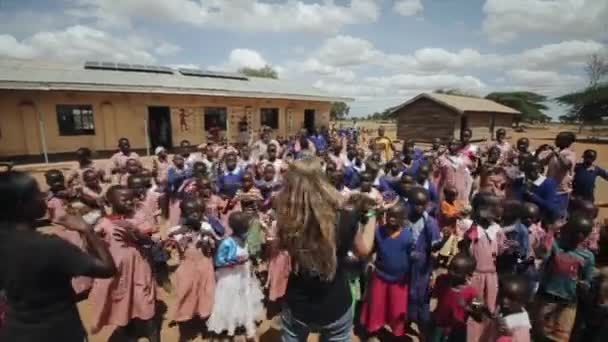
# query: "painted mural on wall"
{"type": "Point", "coordinates": [187, 123]}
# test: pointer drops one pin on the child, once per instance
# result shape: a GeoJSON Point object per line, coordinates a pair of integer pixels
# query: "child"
{"type": "Point", "coordinates": [268, 183]}
{"type": "Point", "coordinates": [194, 277]}
{"type": "Point", "coordinates": [272, 159]}
{"type": "Point", "coordinates": [387, 299]}
{"type": "Point", "coordinates": [160, 166]}
{"type": "Point", "coordinates": [426, 239]}
{"type": "Point", "coordinates": [118, 161]}
{"type": "Point", "coordinates": [337, 179]}
{"type": "Point", "coordinates": [597, 316]}
{"type": "Point", "coordinates": [560, 164]}
{"type": "Point", "coordinates": [514, 257]}
{"type": "Point", "coordinates": [279, 263]}
{"type": "Point", "coordinates": [503, 146]}
{"type": "Point", "coordinates": [537, 189]}
{"type": "Point", "coordinates": [450, 212]}
{"type": "Point", "coordinates": [455, 296]}
{"type": "Point", "coordinates": [585, 174]}
{"type": "Point", "coordinates": [132, 167]}
{"type": "Point", "coordinates": [83, 156]}
{"type": "Point", "coordinates": [482, 241]}
{"type": "Point", "coordinates": [511, 323]}
{"type": "Point", "coordinates": [567, 273]}
{"type": "Point", "coordinates": [131, 293]}
{"type": "Point", "coordinates": [423, 180]}
{"type": "Point", "coordinates": [235, 281]}
{"type": "Point", "coordinates": [368, 190]}
{"type": "Point", "coordinates": [230, 181]}
{"type": "Point", "coordinates": [453, 171]}
{"type": "Point", "coordinates": [392, 177]}
{"type": "Point", "coordinates": [146, 204]}
{"type": "Point", "coordinates": [213, 203]}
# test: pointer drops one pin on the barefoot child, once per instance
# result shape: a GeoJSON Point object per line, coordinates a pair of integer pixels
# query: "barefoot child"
{"type": "Point", "coordinates": [451, 210]}
{"type": "Point", "coordinates": [387, 299]}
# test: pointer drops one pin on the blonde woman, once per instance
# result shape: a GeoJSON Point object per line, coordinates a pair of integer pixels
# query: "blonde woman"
{"type": "Point", "coordinates": [317, 231]}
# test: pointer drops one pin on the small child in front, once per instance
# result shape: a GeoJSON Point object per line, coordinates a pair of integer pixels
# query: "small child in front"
{"type": "Point", "coordinates": [387, 299]}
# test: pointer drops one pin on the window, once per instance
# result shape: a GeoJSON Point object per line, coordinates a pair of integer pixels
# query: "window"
{"type": "Point", "coordinates": [75, 120]}
{"type": "Point", "coordinates": [269, 117]}
{"type": "Point", "coordinates": [215, 117]}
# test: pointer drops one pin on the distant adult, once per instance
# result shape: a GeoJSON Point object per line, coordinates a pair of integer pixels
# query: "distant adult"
{"type": "Point", "coordinates": [260, 147]}
{"type": "Point", "coordinates": [37, 269]}
{"type": "Point", "coordinates": [318, 231]}
{"type": "Point", "coordinates": [244, 131]}
{"type": "Point", "coordinates": [467, 149]}
{"type": "Point", "coordinates": [384, 144]}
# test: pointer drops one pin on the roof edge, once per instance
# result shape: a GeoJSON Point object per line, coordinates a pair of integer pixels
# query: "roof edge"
{"type": "Point", "coordinates": [425, 96]}
{"type": "Point", "coordinates": [19, 85]}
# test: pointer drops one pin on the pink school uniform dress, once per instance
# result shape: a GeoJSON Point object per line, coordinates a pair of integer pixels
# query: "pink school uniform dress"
{"type": "Point", "coordinates": [194, 280]}
{"type": "Point", "coordinates": [175, 213]}
{"type": "Point", "coordinates": [279, 266]}
{"type": "Point", "coordinates": [131, 293]}
{"type": "Point", "coordinates": [454, 173]}
{"type": "Point", "coordinates": [56, 209]}
{"type": "Point", "coordinates": [485, 244]}
{"type": "Point", "coordinates": [147, 212]}
{"type": "Point", "coordinates": [119, 160]}
{"type": "Point", "coordinates": [518, 326]}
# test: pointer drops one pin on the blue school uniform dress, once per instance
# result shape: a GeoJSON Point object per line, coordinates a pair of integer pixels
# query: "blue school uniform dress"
{"type": "Point", "coordinates": [583, 184]}
{"type": "Point", "coordinates": [425, 234]}
{"type": "Point", "coordinates": [544, 195]}
{"type": "Point", "coordinates": [352, 175]}
{"type": "Point", "coordinates": [230, 182]}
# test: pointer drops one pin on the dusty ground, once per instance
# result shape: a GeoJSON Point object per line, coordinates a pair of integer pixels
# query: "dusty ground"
{"type": "Point", "coordinates": [266, 333]}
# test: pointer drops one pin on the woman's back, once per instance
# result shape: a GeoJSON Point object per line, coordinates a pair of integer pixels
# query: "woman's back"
{"type": "Point", "coordinates": [36, 273]}
{"type": "Point", "coordinates": [314, 300]}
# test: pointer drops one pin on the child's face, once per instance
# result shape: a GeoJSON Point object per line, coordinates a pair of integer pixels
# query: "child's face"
{"type": "Point", "coordinates": [138, 185]}
{"type": "Point", "coordinates": [124, 146]}
{"type": "Point", "coordinates": [465, 137]}
{"type": "Point", "coordinates": [450, 195]}
{"type": "Point", "coordinates": [436, 144]}
{"type": "Point", "coordinates": [361, 154]}
{"type": "Point", "coordinates": [407, 183]}
{"type": "Point", "coordinates": [269, 173]}
{"type": "Point", "coordinates": [493, 155]}
{"type": "Point", "coordinates": [82, 156]}
{"type": "Point", "coordinates": [231, 162]}
{"type": "Point", "coordinates": [193, 211]}
{"type": "Point", "coordinates": [458, 273]}
{"type": "Point", "coordinates": [589, 158]}
{"type": "Point", "coordinates": [199, 169]}
{"type": "Point", "coordinates": [453, 147]}
{"type": "Point", "coordinates": [500, 135]}
{"type": "Point", "coordinates": [56, 182]}
{"type": "Point", "coordinates": [395, 217]}
{"type": "Point", "coordinates": [178, 161]}
{"type": "Point", "coordinates": [90, 179]}
{"type": "Point", "coordinates": [247, 182]}
{"type": "Point", "coordinates": [419, 201]}
{"type": "Point", "coordinates": [245, 153]}
{"type": "Point", "coordinates": [366, 182]}
{"type": "Point", "coordinates": [511, 298]}
{"type": "Point", "coordinates": [272, 153]}
{"type": "Point", "coordinates": [205, 188]}
{"type": "Point", "coordinates": [209, 153]}
{"type": "Point", "coordinates": [522, 145]}
{"type": "Point", "coordinates": [423, 174]}
{"type": "Point", "coordinates": [122, 201]}
{"type": "Point", "coordinates": [133, 167]}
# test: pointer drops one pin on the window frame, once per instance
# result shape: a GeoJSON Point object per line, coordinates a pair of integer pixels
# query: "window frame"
{"type": "Point", "coordinates": [274, 122]}
{"type": "Point", "coordinates": [82, 123]}
{"type": "Point", "coordinates": [206, 111]}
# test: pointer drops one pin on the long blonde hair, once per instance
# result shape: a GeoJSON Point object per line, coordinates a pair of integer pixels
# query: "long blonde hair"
{"type": "Point", "coordinates": [306, 216]}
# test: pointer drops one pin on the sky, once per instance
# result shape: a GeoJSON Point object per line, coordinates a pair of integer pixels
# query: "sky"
{"type": "Point", "coordinates": [378, 52]}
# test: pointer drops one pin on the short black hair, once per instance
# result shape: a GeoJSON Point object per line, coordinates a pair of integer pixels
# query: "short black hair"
{"type": "Point", "coordinates": [239, 222]}
{"type": "Point", "coordinates": [85, 151]}
{"type": "Point", "coordinates": [515, 287]}
{"type": "Point", "coordinates": [569, 136]}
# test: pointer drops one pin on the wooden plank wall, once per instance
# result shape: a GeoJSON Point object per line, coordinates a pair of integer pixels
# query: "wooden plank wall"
{"type": "Point", "coordinates": [425, 120]}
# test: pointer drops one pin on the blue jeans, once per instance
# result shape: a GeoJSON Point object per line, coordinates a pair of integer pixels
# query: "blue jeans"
{"type": "Point", "coordinates": [297, 331]}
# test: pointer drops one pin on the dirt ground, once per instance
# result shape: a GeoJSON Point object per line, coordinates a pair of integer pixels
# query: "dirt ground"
{"type": "Point", "coordinates": [267, 331]}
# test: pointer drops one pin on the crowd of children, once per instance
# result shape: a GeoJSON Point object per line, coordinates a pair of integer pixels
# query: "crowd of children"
{"type": "Point", "coordinates": [505, 238]}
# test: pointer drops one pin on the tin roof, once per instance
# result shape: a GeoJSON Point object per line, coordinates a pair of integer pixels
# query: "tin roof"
{"type": "Point", "coordinates": [462, 104]}
{"type": "Point", "coordinates": [47, 75]}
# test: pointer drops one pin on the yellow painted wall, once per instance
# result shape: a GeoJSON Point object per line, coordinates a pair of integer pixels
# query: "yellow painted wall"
{"type": "Point", "coordinates": [124, 115]}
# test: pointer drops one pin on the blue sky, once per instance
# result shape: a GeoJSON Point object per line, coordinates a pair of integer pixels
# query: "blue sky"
{"type": "Point", "coordinates": [379, 52]}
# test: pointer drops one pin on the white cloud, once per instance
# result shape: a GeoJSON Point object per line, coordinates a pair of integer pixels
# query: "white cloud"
{"type": "Point", "coordinates": [408, 7]}
{"type": "Point", "coordinates": [243, 15]}
{"type": "Point", "coordinates": [77, 43]}
{"type": "Point", "coordinates": [167, 49]}
{"type": "Point", "coordinates": [549, 83]}
{"type": "Point", "coordinates": [314, 66]}
{"type": "Point", "coordinates": [567, 53]}
{"type": "Point", "coordinates": [241, 58]}
{"type": "Point", "coordinates": [505, 20]}
{"type": "Point", "coordinates": [427, 82]}
{"type": "Point", "coordinates": [346, 50]}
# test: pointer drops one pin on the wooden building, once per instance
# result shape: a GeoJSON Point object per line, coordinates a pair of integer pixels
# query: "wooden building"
{"type": "Point", "coordinates": [429, 116]}
{"type": "Point", "coordinates": [49, 108]}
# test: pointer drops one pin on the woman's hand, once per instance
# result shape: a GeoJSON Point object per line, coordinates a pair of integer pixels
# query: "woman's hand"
{"type": "Point", "coordinates": [74, 223]}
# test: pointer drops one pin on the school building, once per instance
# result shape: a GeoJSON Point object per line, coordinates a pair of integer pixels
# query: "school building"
{"type": "Point", "coordinates": [48, 108]}
{"type": "Point", "coordinates": [429, 116]}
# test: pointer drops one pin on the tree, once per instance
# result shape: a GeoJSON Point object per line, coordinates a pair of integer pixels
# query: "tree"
{"type": "Point", "coordinates": [265, 72]}
{"type": "Point", "coordinates": [339, 111]}
{"type": "Point", "coordinates": [454, 91]}
{"type": "Point", "coordinates": [528, 103]}
{"type": "Point", "coordinates": [591, 104]}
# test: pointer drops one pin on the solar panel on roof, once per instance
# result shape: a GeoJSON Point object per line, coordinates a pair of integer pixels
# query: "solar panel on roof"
{"type": "Point", "coordinates": [212, 74]}
{"type": "Point", "coordinates": [127, 67]}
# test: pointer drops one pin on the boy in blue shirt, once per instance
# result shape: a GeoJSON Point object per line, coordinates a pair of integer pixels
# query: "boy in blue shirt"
{"type": "Point", "coordinates": [585, 174]}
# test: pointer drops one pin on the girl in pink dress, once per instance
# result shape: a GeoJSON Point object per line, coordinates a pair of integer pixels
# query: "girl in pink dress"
{"type": "Point", "coordinates": [482, 241]}
{"type": "Point", "coordinates": [194, 277]}
{"type": "Point", "coordinates": [453, 169]}
{"type": "Point", "coordinates": [213, 203]}
{"type": "Point", "coordinates": [131, 293]}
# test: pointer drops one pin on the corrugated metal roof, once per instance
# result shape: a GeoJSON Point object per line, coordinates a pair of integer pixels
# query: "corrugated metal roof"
{"type": "Point", "coordinates": [463, 103]}
{"type": "Point", "coordinates": [45, 75]}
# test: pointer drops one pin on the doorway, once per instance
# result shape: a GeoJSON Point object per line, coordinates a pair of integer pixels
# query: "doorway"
{"type": "Point", "coordinates": [309, 120]}
{"type": "Point", "coordinates": [159, 127]}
